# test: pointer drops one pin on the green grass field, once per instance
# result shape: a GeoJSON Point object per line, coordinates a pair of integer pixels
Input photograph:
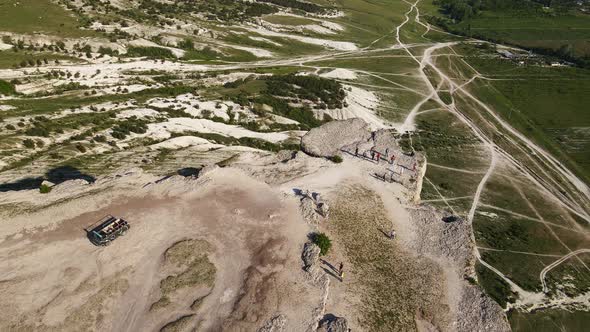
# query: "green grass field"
{"type": "Point", "coordinates": [533, 30]}
{"type": "Point", "coordinates": [545, 103]}
{"type": "Point", "coordinates": [549, 321]}
{"type": "Point", "coordinates": [29, 16]}
{"type": "Point", "coordinates": [11, 59]}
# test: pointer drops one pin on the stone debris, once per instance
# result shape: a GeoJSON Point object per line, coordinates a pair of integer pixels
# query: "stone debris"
{"type": "Point", "coordinates": [327, 139]}
{"type": "Point", "coordinates": [275, 324]}
{"type": "Point", "coordinates": [286, 155]}
{"type": "Point", "coordinates": [335, 324]}
{"type": "Point", "coordinates": [313, 208]}
{"type": "Point", "coordinates": [47, 183]}
{"type": "Point", "coordinates": [448, 240]}
{"type": "Point", "coordinates": [478, 312]}
{"type": "Point", "coordinates": [447, 237]}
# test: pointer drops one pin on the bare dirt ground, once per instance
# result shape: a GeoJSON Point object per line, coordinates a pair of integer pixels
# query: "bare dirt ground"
{"type": "Point", "coordinates": [223, 252]}
{"type": "Point", "coordinates": [53, 278]}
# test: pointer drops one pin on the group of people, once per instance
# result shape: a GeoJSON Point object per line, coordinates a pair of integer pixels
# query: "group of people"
{"type": "Point", "coordinates": [376, 156]}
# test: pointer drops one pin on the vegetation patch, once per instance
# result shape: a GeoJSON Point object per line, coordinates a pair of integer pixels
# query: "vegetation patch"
{"type": "Point", "coordinates": [518, 22]}
{"type": "Point", "coordinates": [287, 20]}
{"type": "Point", "coordinates": [243, 141]}
{"type": "Point", "coordinates": [296, 4]}
{"type": "Point", "coordinates": [45, 189]}
{"type": "Point", "coordinates": [192, 268]}
{"type": "Point", "coordinates": [494, 286]}
{"type": "Point", "coordinates": [289, 95]}
{"type": "Point", "coordinates": [377, 263]}
{"type": "Point", "coordinates": [131, 125]}
{"type": "Point", "coordinates": [150, 52]}
{"type": "Point", "coordinates": [336, 159]}
{"type": "Point", "coordinates": [29, 16]}
{"type": "Point", "coordinates": [6, 88]}
{"type": "Point", "coordinates": [323, 241]}
{"type": "Point", "coordinates": [549, 320]}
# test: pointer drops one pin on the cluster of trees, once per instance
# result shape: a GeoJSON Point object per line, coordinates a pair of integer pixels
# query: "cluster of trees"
{"type": "Point", "coordinates": [303, 115]}
{"type": "Point", "coordinates": [107, 51]}
{"type": "Point", "coordinates": [301, 5]}
{"type": "Point", "coordinates": [459, 9]}
{"type": "Point", "coordinates": [565, 52]}
{"type": "Point", "coordinates": [327, 92]}
{"type": "Point", "coordinates": [282, 89]}
{"type": "Point", "coordinates": [38, 130]}
{"type": "Point", "coordinates": [244, 141]}
{"type": "Point", "coordinates": [226, 10]}
{"type": "Point", "coordinates": [150, 52]}
{"type": "Point", "coordinates": [131, 125]}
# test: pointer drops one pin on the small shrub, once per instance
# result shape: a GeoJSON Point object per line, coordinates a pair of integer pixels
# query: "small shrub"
{"type": "Point", "coordinates": [44, 189]}
{"type": "Point", "coordinates": [81, 148]}
{"type": "Point", "coordinates": [337, 159]}
{"type": "Point", "coordinates": [7, 88]}
{"type": "Point", "coordinates": [29, 143]}
{"type": "Point", "coordinates": [100, 138]}
{"type": "Point", "coordinates": [322, 241]}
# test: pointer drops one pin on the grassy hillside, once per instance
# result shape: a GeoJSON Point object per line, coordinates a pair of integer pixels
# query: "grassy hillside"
{"type": "Point", "coordinates": [559, 27]}
{"type": "Point", "coordinates": [548, 104]}
{"type": "Point", "coordinates": [532, 30]}
{"type": "Point", "coordinates": [27, 16]}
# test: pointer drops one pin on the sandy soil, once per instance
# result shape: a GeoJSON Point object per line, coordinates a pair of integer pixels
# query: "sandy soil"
{"type": "Point", "coordinates": [336, 45]}
{"type": "Point", "coordinates": [54, 279]}
{"type": "Point", "coordinates": [361, 104]}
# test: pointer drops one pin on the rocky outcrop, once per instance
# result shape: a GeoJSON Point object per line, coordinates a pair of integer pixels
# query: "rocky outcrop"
{"type": "Point", "coordinates": [317, 277]}
{"type": "Point", "coordinates": [275, 324]}
{"type": "Point", "coordinates": [478, 312]}
{"type": "Point", "coordinates": [310, 255]}
{"type": "Point", "coordinates": [313, 208]}
{"type": "Point", "coordinates": [448, 239]}
{"type": "Point", "coordinates": [327, 139]}
{"type": "Point", "coordinates": [444, 237]}
{"type": "Point", "coordinates": [334, 324]}
{"type": "Point", "coordinates": [286, 155]}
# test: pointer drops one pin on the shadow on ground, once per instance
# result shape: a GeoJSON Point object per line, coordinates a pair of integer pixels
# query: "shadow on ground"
{"type": "Point", "coordinates": [55, 175]}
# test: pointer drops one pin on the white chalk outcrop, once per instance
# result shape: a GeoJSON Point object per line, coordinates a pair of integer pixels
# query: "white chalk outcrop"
{"type": "Point", "coordinates": [327, 139]}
